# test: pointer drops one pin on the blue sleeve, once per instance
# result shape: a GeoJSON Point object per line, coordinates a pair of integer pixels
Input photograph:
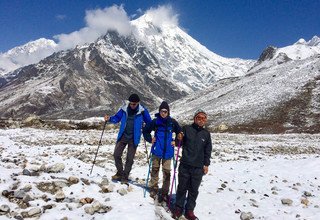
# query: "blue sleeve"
{"type": "Point", "coordinates": [117, 117]}
{"type": "Point", "coordinates": [146, 116]}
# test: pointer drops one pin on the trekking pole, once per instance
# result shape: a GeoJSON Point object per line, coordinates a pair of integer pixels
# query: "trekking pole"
{"type": "Point", "coordinates": [150, 162]}
{"type": "Point", "coordinates": [146, 151]}
{"type": "Point", "coordinates": [174, 166]}
{"type": "Point", "coordinates": [94, 161]}
{"type": "Point", "coordinates": [174, 173]}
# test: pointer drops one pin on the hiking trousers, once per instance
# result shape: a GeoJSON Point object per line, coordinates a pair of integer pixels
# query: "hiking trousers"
{"type": "Point", "coordinates": [166, 168]}
{"type": "Point", "coordinates": [189, 178]}
{"type": "Point", "coordinates": [117, 154]}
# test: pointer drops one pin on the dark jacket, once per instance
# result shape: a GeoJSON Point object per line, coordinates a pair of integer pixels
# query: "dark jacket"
{"type": "Point", "coordinates": [197, 146]}
{"type": "Point", "coordinates": [163, 127]}
{"type": "Point", "coordinates": [142, 115]}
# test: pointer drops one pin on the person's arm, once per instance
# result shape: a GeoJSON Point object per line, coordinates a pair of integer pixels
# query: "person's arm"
{"type": "Point", "coordinates": [146, 116]}
{"type": "Point", "coordinates": [117, 117]}
{"type": "Point", "coordinates": [207, 155]}
{"type": "Point", "coordinates": [147, 129]}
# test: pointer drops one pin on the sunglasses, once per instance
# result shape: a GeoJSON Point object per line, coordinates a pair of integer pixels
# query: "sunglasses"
{"type": "Point", "coordinates": [163, 111]}
{"type": "Point", "coordinates": [201, 118]}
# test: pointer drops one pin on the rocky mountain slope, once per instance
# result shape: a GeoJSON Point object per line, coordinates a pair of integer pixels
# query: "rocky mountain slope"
{"type": "Point", "coordinates": [155, 62]}
{"type": "Point", "coordinates": [282, 97]}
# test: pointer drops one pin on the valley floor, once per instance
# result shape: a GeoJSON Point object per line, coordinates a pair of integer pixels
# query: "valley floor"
{"type": "Point", "coordinates": [45, 174]}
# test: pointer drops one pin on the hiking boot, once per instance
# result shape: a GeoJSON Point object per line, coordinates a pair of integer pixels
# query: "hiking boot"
{"type": "Point", "coordinates": [177, 213]}
{"type": "Point", "coordinates": [116, 177]}
{"type": "Point", "coordinates": [153, 193]}
{"type": "Point", "coordinates": [124, 180]}
{"type": "Point", "coordinates": [190, 215]}
{"type": "Point", "coordinates": [164, 198]}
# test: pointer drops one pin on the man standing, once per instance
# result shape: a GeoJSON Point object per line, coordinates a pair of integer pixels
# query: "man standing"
{"type": "Point", "coordinates": [194, 164]}
{"type": "Point", "coordinates": [132, 115]}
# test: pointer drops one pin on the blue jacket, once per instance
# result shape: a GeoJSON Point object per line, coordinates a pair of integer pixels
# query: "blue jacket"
{"type": "Point", "coordinates": [141, 116]}
{"type": "Point", "coordinates": [163, 127]}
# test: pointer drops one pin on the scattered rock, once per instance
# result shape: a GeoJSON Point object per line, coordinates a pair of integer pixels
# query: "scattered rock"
{"type": "Point", "coordinates": [85, 181]}
{"type": "Point", "coordinates": [246, 216]}
{"type": "Point", "coordinates": [86, 200]}
{"type": "Point", "coordinates": [33, 212]}
{"type": "Point", "coordinates": [56, 168]}
{"type": "Point", "coordinates": [73, 180]}
{"type": "Point", "coordinates": [305, 201]}
{"type": "Point", "coordinates": [286, 201]}
{"type": "Point", "coordinates": [4, 209]}
{"type": "Point", "coordinates": [308, 194]}
{"type": "Point", "coordinates": [60, 196]}
{"type": "Point", "coordinates": [122, 191]}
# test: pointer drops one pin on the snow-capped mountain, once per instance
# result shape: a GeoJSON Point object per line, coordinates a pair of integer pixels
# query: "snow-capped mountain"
{"type": "Point", "coordinates": [298, 51]}
{"type": "Point", "coordinates": [94, 78]}
{"type": "Point", "coordinates": [281, 98]}
{"type": "Point", "coordinates": [29, 53]}
{"type": "Point", "coordinates": [185, 61]}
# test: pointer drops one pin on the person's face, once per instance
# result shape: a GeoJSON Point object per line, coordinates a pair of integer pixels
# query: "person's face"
{"type": "Point", "coordinates": [164, 113]}
{"type": "Point", "coordinates": [200, 119]}
{"type": "Point", "coordinates": [133, 105]}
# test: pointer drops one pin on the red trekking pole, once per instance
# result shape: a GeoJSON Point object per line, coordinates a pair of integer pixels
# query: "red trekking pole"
{"type": "Point", "coordinates": [174, 174]}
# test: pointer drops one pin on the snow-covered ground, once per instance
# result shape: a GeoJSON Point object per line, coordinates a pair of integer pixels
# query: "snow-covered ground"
{"type": "Point", "coordinates": [48, 172]}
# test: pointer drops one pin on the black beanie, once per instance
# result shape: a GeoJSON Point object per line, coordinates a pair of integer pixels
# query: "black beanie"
{"type": "Point", "coordinates": [164, 105]}
{"type": "Point", "coordinates": [134, 98]}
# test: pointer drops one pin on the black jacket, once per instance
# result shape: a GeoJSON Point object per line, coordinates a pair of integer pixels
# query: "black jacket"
{"type": "Point", "coordinates": [197, 146]}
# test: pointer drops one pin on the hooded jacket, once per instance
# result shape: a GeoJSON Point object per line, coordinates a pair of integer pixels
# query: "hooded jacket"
{"type": "Point", "coordinates": [142, 115]}
{"type": "Point", "coordinates": [163, 127]}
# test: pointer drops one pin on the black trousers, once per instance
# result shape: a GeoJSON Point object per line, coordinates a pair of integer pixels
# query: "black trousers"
{"type": "Point", "coordinates": [117, 154]}
{"type": "Point", "coordinates": [189, 181]}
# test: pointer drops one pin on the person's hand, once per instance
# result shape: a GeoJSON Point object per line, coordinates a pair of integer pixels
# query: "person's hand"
{"type": "Point", "coordinates": [173, 143]}
{"type": "Point", "coordinates": [106, 117]}
{"type": "Point", "coordinates": [205, 169]}
{"type": "Point", "coordinates": [180, 136]}
{"type": "Point", "coordinates": [153, 140]}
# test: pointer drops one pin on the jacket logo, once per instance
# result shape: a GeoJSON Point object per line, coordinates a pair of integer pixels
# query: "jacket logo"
{"type": "Point", "coordinates": [203, 140]}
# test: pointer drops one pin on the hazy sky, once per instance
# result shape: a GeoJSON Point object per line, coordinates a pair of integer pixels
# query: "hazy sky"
{"type": "Point", "coordinates": [230, 28]}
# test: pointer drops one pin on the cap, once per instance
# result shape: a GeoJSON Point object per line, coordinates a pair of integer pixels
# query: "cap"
{"type": "Point", "coordinates": [198, 112]}
{"type": "Point", "coordinates": [164, 105]}
{"type": "Point", "coordinates": [134, 98]}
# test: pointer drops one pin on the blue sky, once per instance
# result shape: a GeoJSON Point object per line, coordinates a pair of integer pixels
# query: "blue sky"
{"type": "Point", "coordinates": [232, 28]}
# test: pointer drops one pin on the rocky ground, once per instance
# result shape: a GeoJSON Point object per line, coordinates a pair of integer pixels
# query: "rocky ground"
{"type": "Point", "coordinates": [45, 174]}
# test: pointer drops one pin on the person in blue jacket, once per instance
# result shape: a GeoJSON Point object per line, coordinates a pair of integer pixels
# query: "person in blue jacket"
{"type": "Point", "coordinates": [162, 148]}
{"type": "Point", "coordinates": [131, 115]}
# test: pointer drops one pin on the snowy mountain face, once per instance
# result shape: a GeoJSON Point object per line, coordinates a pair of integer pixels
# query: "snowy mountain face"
{"type": "Point", "coordinates": [29, 53]}
{"type": "Point", "coordinates": [157, 63]}
{"type": "Point", "coordinates": [87, 81]}
{"type": "Point", "coordinates": [300, 50]}
{"type": "Point", "coordinates": [281, 98]}
{"type": "Point", "coordinates": [186, 62]}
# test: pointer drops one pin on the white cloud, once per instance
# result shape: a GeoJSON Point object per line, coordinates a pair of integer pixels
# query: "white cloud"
{"type": "Point", "coordinates": [163, 15]}
{"type": "Point", "coordinates": [98, 22]}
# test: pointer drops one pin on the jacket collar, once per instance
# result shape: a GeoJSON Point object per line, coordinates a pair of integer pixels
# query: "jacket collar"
{"type": "Point", "coordinates": [126, 104]}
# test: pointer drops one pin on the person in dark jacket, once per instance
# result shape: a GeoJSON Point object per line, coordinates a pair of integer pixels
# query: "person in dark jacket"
{"type": "Point", "coordinates": [196, 152]}
{"type": "Point", "coordinates": [162, 148]}
{"type": "Point", "coordinates": [132, 115]}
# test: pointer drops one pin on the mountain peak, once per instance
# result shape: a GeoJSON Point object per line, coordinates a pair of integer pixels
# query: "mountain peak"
{"type": "Point", "coordinates": [315, 41]}
{"type": "Point", "coordinates": [301, 41]}
{"type": "Point", "coordinates": [32, 46]}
